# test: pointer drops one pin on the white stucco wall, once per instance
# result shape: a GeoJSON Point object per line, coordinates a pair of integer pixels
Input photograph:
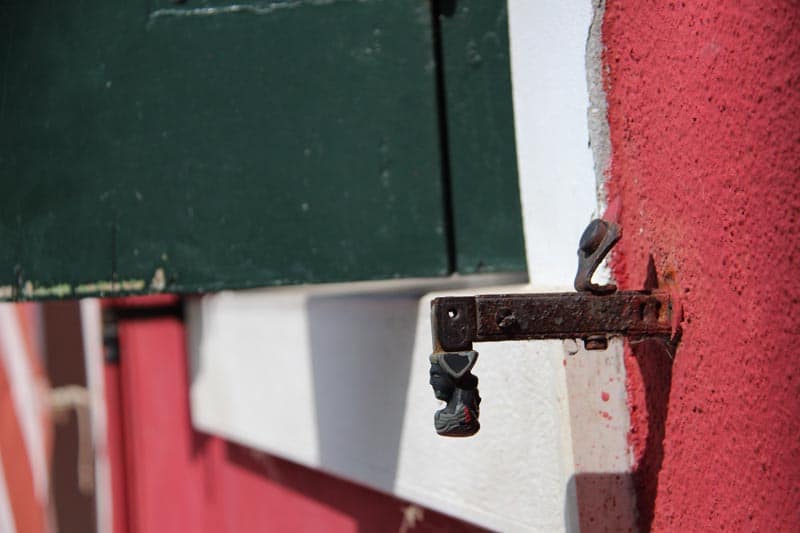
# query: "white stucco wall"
{"type": "Point", "coordinates": [335, 377]}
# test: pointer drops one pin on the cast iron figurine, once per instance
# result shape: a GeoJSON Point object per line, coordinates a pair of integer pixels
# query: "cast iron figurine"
{"type": "Point", "coordinates": [453, 383]}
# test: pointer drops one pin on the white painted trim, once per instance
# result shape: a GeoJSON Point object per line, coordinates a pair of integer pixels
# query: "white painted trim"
{"type": "Point", "coordinates": [557, 180]}
{"type": "Point", "coordinates": [92, 336]}
{"type": "Point", "coordinates": [27, 398]}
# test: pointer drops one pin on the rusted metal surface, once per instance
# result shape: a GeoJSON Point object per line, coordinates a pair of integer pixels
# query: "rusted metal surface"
{"type": "Point", "coordinates": [453, 323]}
{"type": "Point", "coordinates": [592, 314]}
{"type": "Point", "coordinates": [460, 321]}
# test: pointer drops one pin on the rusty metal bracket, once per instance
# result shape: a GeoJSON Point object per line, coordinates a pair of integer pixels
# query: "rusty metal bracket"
{"type": "Point", "coordinates": [593, 313]}
{"type": "Point", "coordinates": [460, 321]}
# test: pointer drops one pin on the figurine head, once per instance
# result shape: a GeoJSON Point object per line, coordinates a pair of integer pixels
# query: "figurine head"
{"type": "Point", "coordinates": [442, 384]}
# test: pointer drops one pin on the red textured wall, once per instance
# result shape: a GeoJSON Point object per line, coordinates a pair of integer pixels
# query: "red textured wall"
{"type": "Point", "coordinates": [704, 114]}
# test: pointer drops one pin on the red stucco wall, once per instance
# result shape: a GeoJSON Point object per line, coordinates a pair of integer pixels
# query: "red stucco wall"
{"type": "Point", "coordinates": [704, 114]}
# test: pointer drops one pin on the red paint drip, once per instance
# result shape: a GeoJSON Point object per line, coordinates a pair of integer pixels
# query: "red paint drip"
{"type": "Point", "coordinates": [604, 396]}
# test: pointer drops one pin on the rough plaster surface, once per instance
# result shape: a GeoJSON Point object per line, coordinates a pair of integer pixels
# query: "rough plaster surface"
{"type": "Point", "coordinates": [704, 107]}
{"type": "Point", "coordinates": [597, 113]}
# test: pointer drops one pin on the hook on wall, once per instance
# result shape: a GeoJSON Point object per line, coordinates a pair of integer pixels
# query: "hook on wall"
{"type": "Point", "coordinates": [593, 313]}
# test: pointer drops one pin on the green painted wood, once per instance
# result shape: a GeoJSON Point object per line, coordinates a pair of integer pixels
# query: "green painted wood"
{"type": "Point", "coordinates": [486, 213]}
{"type": "Point", "coordinates": [199, 146]}
{"type": "Point", "coordinates": [206, 145]}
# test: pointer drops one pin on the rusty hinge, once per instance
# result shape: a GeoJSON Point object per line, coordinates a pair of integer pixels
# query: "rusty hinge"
{"type": "Point", "coordinates": [593, 313]}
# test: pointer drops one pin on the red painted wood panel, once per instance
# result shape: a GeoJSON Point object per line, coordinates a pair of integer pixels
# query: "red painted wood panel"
{"type": "Point", "coordinates": [116, 447]}
{"type": "Point", "coordinates": [165, 459]}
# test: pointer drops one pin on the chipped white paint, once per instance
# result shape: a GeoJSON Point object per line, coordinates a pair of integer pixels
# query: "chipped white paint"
{"type": "Point", "coordinates": [59, 291]}
{"type": "Point", "coordinates": [99, 287]}
{"type": "Point", "coordinates": [31, 289]}
{"type": "Point", "coordinates": [597, 115]}
{"type": "Point", "coordinates": [159, 280]}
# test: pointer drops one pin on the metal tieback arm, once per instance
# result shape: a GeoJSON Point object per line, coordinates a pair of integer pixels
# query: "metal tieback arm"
{"type": "Point", "coordinates": [593, 313]}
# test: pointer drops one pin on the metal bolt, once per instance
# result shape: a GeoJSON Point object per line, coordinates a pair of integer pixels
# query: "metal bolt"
{"type": "Point", "coordinates": [595, 342]}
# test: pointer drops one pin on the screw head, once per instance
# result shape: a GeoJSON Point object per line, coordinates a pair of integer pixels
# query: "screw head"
{"type": "Point", "coordinates": [505, 318]}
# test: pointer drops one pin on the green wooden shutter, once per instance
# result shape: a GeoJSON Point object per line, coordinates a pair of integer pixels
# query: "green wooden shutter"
{"type": "Point", "coordinates": [206, 145]}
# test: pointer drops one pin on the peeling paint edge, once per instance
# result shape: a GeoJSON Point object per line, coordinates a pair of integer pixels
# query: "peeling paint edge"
{"type": "Point", "coordinates": [31, 290]}
{"type": "Point", "coordinates": [597, 112]}
{"type": "Point", "coordinates": [110, 286]}
{"type": "Point", "coordinates": [59, 291]}
{"type": "Point", "coordinates": [597, 119]}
